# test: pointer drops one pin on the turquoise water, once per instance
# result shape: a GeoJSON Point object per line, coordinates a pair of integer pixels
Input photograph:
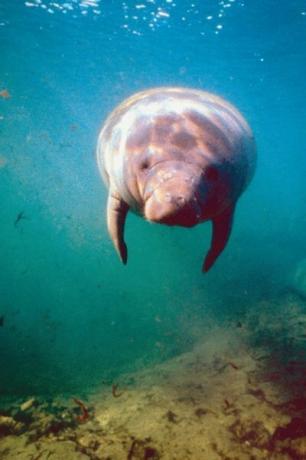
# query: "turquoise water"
{"type": "Point", "coordinates": [72, 316]}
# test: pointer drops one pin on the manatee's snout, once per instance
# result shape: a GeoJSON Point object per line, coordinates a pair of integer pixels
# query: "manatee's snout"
{"type": "Point", "coordinates": [175, 199]}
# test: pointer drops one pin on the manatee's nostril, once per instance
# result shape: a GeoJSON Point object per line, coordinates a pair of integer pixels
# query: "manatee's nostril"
{"type": "Point", "coordinates": [180, 200]}
{"type": "Point", "coordinates": [167, 175]}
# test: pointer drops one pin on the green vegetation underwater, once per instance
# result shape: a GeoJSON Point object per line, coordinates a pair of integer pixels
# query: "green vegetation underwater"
{"type": "Point", "coordinates": [152, 360]}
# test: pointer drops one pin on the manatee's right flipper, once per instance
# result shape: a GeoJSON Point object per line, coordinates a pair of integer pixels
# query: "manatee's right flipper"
{"type": "Point", "coordinates": [222, 226]}
{"type": "Point", "coordinates": [117, 210]}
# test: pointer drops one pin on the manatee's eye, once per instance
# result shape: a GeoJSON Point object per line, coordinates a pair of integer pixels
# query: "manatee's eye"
{"type": "Point", "coordinates": [144, 165]}
{"type": "Point", "coordinates": [212, 174]}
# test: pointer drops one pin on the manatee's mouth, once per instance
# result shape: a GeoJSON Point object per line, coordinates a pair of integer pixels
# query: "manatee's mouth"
{"type": "Point", "coordinates": [166, 175]}
{"type": "Point", "coordinates": [173, 194]}
{"type": "Point", "coordinates": [177, 211]}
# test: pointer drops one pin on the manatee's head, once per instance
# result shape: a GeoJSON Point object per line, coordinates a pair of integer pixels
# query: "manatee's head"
{"type": "Point", "coordinates": [174, 193]}
{"type": "Point", "coordinates": [164, 168]}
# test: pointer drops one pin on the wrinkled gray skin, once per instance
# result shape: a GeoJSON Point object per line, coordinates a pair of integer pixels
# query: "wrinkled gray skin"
{"type": "Point", "coordinates": [175, 156]}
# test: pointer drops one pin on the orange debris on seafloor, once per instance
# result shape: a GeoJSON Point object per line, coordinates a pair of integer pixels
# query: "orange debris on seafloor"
{"type": "Point", "coordinates": [5, 94]}
{"type": "Point", "coordinates": [84, 409]}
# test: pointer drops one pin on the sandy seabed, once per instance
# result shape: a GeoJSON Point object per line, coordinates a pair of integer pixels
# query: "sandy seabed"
{"type": "Point", "coordinates": [239, 394]}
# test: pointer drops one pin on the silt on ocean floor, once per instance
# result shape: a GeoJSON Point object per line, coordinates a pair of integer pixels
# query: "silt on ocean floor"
{"type": "Point", "coordinates": [237, 394]}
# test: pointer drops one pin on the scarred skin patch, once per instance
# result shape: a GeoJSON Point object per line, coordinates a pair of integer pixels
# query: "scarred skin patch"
{"type": "Point", "coordinates": [175, 156]}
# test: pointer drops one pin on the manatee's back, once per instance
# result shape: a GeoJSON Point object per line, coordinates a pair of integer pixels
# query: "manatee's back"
{"type": "Point", "coordinates": [111, 138]}
{"type": "Point", "coordinates": [224, 138]}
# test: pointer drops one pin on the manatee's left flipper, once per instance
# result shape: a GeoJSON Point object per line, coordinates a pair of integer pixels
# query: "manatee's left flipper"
{"type": "Point", "coordinates": [117, 210]}
{"type": "Point", "coordinates": [222, 226]}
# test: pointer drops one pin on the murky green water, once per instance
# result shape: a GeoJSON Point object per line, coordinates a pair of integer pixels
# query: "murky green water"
{"type": "Point", "coordinates": [72, 316]}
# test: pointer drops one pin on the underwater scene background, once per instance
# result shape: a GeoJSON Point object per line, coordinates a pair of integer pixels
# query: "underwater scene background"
{"type": "Point", "coordinates": [72, 318]}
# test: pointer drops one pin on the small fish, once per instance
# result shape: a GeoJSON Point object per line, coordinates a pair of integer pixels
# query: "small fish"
{"type": "Point", "coordinates": [19, 217]}
{"type": "Point", "coordinates": [5, 94]}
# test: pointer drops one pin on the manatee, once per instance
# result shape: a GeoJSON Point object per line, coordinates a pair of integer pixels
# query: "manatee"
{"type": "Point", "coordinates": [175, 156]}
